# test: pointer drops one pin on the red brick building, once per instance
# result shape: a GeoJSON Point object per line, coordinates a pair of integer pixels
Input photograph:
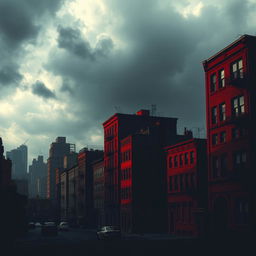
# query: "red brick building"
{"type": "Point", "coordinates": [85, 210]}
{"type": "Point", "coordinates": [187, 187]}
{"type": "Point", "coordinates": [143, 206]}
{"type": "Point", "coordinates": [230, 98]}
{"type": "Point", "coordinates": [116, 128]}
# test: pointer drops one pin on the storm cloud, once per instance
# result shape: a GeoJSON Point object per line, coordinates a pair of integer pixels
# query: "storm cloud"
{"type": "Point", "coordinates": [121, 56]}
{"type": "Point", "coordinates": [39, 89]}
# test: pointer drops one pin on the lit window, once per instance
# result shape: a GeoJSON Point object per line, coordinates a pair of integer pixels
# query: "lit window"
{"type": "Point", "coordinates": [237, 69]}
{"type": "Point", "coordinates": [222, 108]}
{"type": "Point", "coordinates": [221, 78]}
{"type": "Point", "coordinates": [214, 115]}
{"type": "Point", "coordinates": [238, 105]}
{"type": "Point", "coordinates": [213, 82]}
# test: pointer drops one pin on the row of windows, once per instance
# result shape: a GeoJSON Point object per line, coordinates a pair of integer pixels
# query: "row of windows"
{"type": "Point", "coordinates": [111, 130]}
{"type": "Point", "coordinates": [182, 182]}
{"type": "Point", "coordinates": [126, 156]}
{"type": "Point", "coordinates": [218, 79]}
{"type": "Point", "coordinates": [219, 163]}
{"type": "Point", "coordinates": [219, 138]}
{"type": "Point", "coordinates": [126, 174]}
{"type": "Point", "coordinates": [237, 108]}
{"type": "Point", "coordinates": [182, 159]}
{"type": "Point", "coordinates": [126, 193]}
{"type": "Point", "coordinates": [222, 136]}
{"type": "Point", "coordinates": [182, 212]}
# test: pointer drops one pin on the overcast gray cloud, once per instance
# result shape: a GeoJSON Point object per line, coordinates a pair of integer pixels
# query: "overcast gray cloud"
{"type": "Point", "coordinates": [39, 89]}
{"type": "Point", "coordinates": [143, 52]}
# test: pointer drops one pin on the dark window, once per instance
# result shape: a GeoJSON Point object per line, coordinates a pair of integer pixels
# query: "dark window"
{"type": "Point", "coordinates": [222, 109]}
{"type": "Point", "coordinates": [215, 167]}
{"type": "Point", "coordinates": [235, 133]}
{"type": "Point", "coordinates": [181, 182]}
{"type": "Point", "coordinates": [176, 182]}
{"type": "Point", "coordinates": [192, 157]}
{"type": "Point", "coordinates": [238, 105]}
{"type": "Point", "coordinates": [223, 165]}
{"type": "Point", "coordinates": [176, 161]}
{"type": "Point", "coordinates": [213, 82]}
{"type": "Point", "coordinates": [241, 211]}
{"type": "Point", "coordinates": [237, 69]}
{"type": "Point", "coordinates": [223, 137]}
{"type": "Point", "coordinates": [170, 183]}
{"type": "Point", "coordinates": [170, 162]}
{"type": "Point", "coordinates": [239, 158]}
{"type": "Point", "coordinates": [221, 78]}
{"type": "Point", "coordinates": [214, 115]}
{"type": "Point", "coordinates": [215, 139]}
{"type": "Point", "coordinates": [181, 160]}
{"type": "Point", "coordinates": [186, 158]}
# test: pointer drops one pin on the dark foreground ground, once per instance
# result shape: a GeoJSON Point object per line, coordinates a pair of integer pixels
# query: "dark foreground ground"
{"type": "Point", "coordinates": [84, 242]}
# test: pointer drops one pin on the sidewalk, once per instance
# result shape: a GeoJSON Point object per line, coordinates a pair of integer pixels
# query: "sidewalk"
{"type": "Point", "coordinates": [152, 236]}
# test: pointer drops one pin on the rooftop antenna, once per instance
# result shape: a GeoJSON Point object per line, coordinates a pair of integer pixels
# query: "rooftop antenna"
{"type": "Point", "coordinates": [153, 109]}
{"type": "Point", "coordinates": [118, 109]}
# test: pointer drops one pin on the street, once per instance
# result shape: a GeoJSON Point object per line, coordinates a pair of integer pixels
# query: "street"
{"type": "Point", "coordinates": [84, 242]}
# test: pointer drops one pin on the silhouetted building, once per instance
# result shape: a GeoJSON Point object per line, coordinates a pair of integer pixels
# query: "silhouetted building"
{"type": "Point", "coordinates": [37, 178]}
{"type": "Point", "coordinates": [143, 182]}
{"type": "Point", "coordinates": [117, 128]}
{"type": "Point", "coordinates": [98, 191]}
{"type": "Point", "coordinates": [58, 150]}
{"type": "Point", "coordinates": [187, 186]}
{"type": "Point", "coordinates": [85, 209]}
{"type": "Point", "coordinates": [230, 90]}
{"type": "Point", "coordinates": [19, 157]}
{"type": "Point", "coordinates": [12, 215]}
{"type": "Point", "coordinates": [5, 168]}
{"type": "Point", "coordinates": [21, 186]}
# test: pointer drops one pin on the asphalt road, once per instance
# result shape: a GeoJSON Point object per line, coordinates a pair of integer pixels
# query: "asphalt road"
{"type": "Point", "coordinates": [78, 242]}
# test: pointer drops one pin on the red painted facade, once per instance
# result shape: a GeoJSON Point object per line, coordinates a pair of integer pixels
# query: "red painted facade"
{"type": "Point", "coordinates": [230, 99]}
{"type": "Point", "coordinates": [187, 187]}
{"type": "Point", "coordinates": [143, 183]}
{"type": "Point", "coordinates": [116, 128]}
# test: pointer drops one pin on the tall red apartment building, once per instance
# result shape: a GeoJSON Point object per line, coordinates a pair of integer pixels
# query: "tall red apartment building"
{"type": "Point", "coordinates": [187, 187]}
{"type": "Point", "coordinates": [143, 207]}
{"type": "Point", "coordinates": [116, 128]}
{"type": "Point", "coordinates": [230, 98]}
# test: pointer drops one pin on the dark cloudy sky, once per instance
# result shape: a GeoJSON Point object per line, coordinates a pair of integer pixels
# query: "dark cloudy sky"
{"type": "Point", "coordinates": [66, 66]}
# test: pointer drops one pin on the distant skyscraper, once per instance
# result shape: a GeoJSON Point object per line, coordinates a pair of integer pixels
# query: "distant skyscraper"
{"type": "Point", "coordinates": [37, 178]}
{"type": "Point", "coordinates": [58, 150]}
{"type": "Point", "coordinates": [19, 157]}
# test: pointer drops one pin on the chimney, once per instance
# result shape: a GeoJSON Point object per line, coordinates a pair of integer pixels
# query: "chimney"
{"type": "Point", "coordinates": [143, 112]}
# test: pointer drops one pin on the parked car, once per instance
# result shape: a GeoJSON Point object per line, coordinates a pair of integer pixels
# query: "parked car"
{"type": "Point", "coordinates": [63, 226]}
{"type": "Point", "coordinates": [38, 224]}
{"type": "Point", "coordinates": [109, 232]}
{"type": "Point", "coordinates": [31, 225]}
{"type": "Point", "coordinates": [49, 228]}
